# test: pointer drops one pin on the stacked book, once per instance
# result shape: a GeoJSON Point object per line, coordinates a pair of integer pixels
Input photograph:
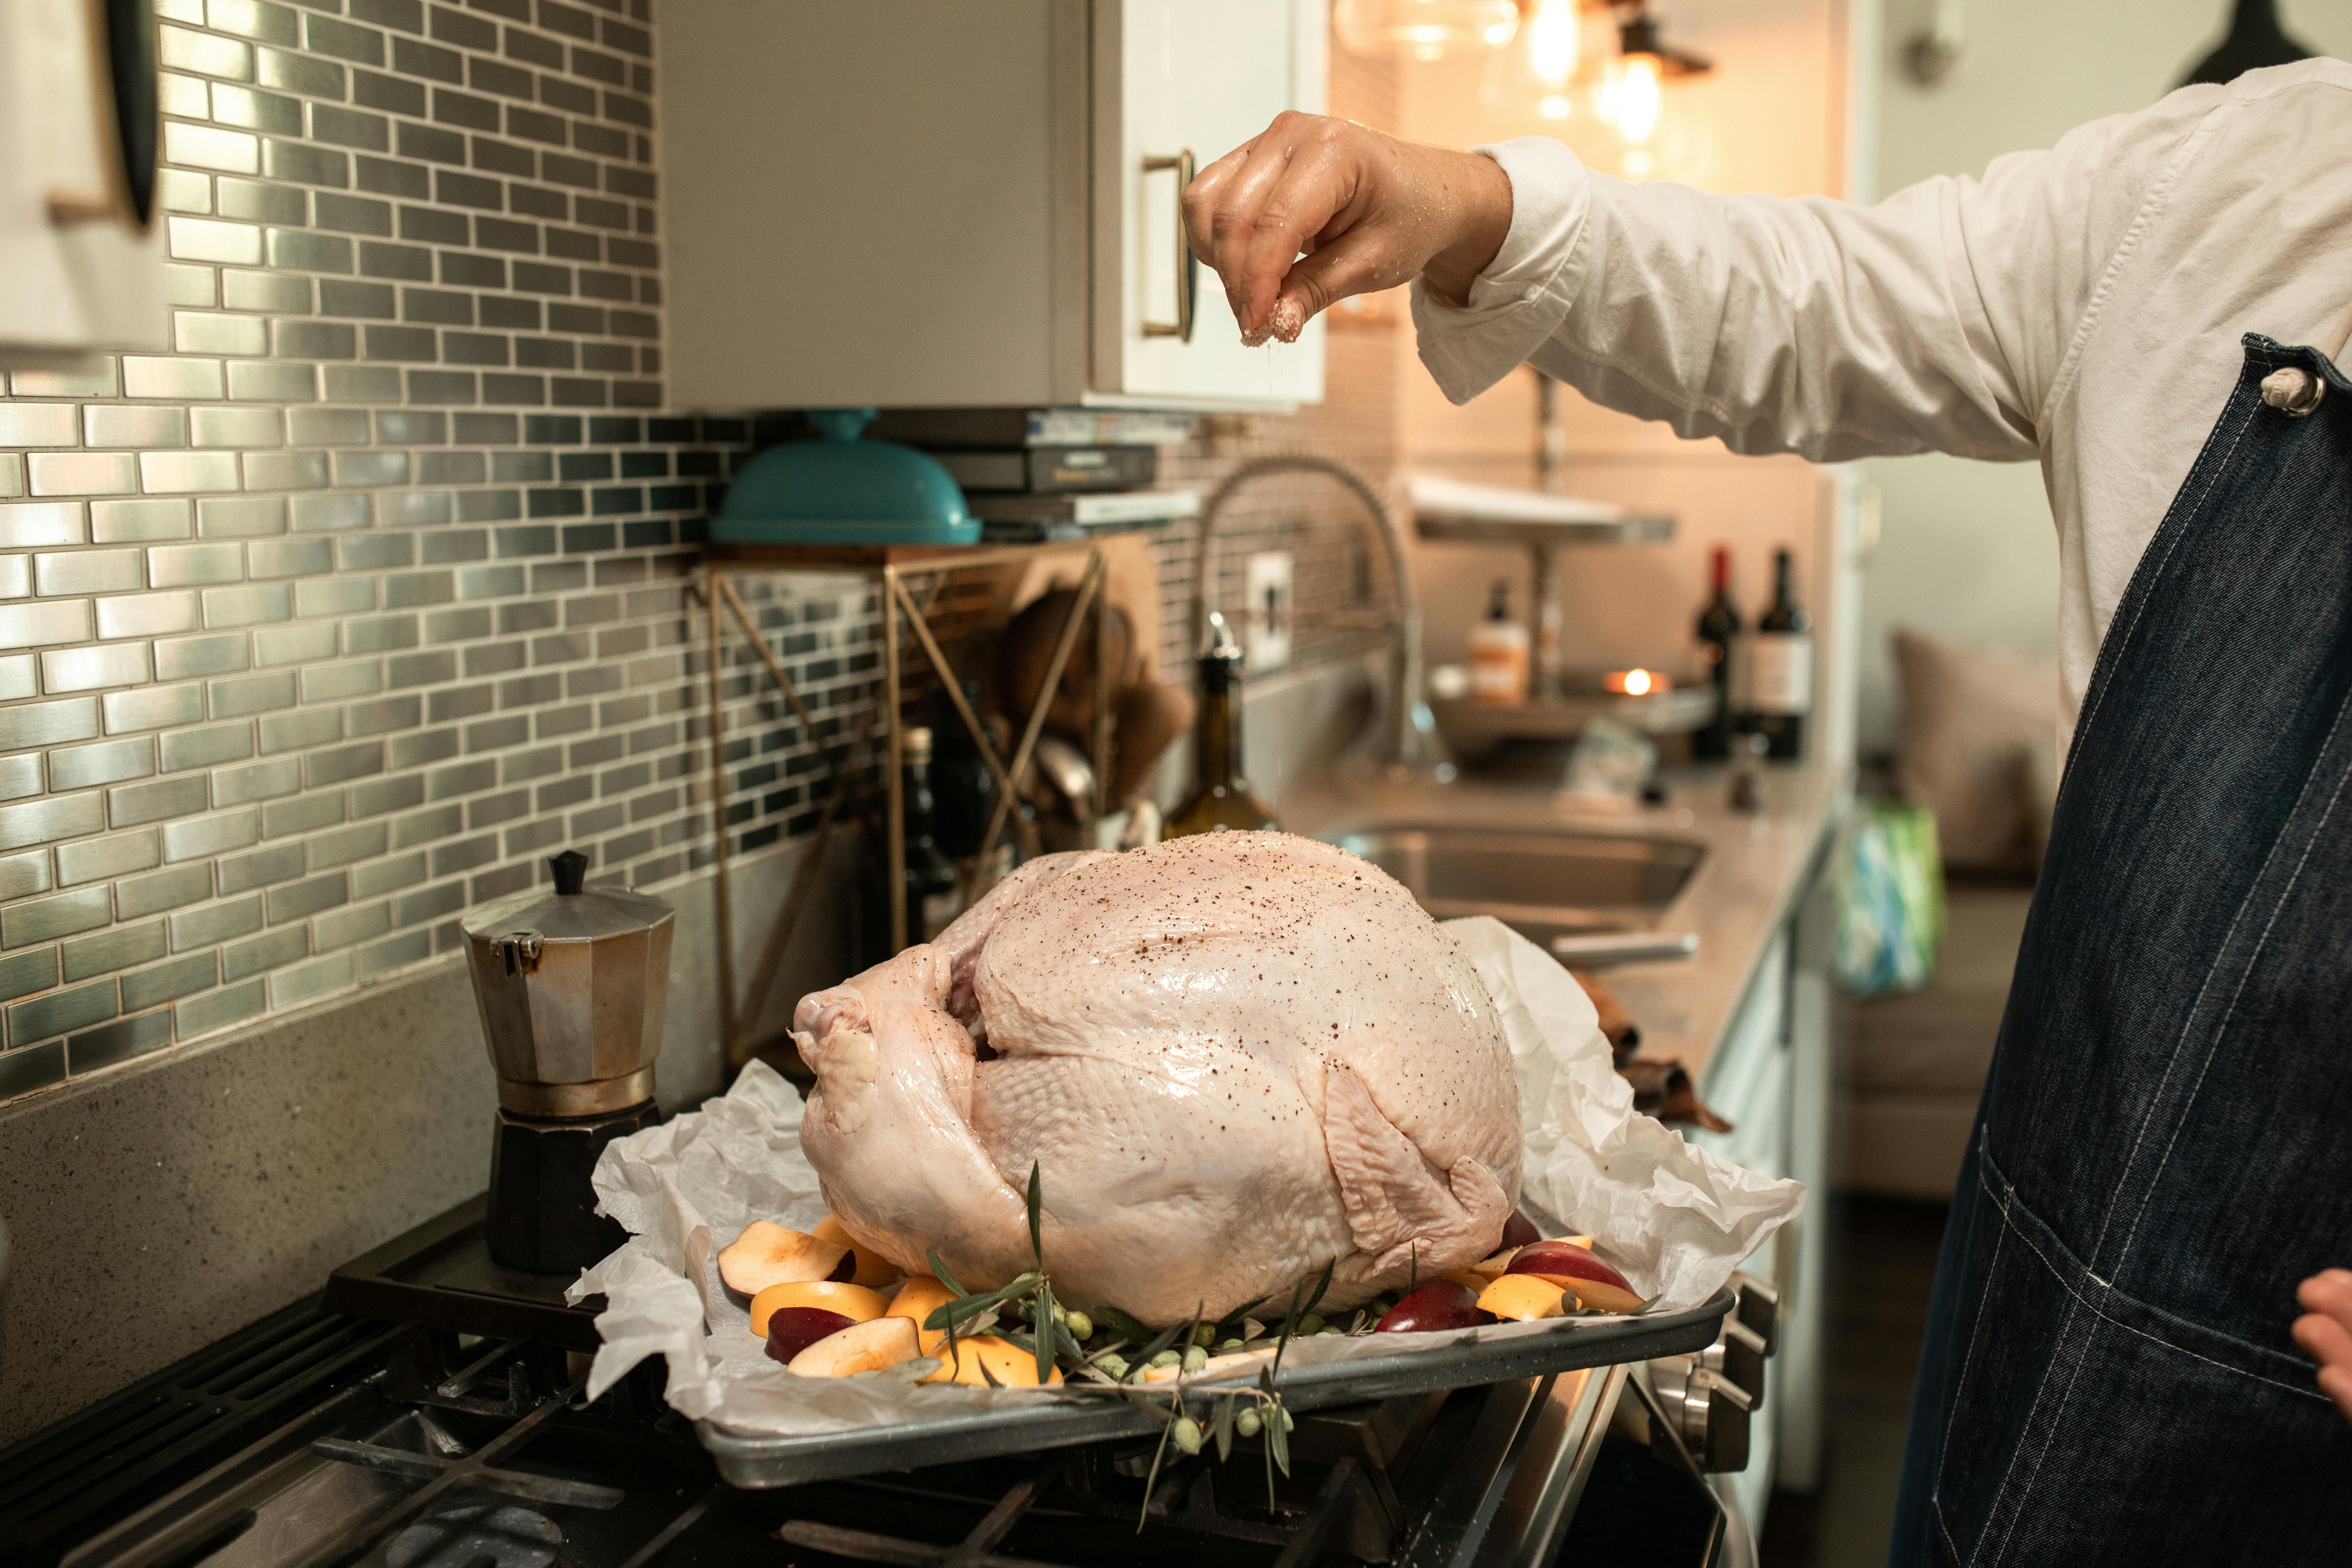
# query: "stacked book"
{"type": "Point", "coordinates": [1031, 474]}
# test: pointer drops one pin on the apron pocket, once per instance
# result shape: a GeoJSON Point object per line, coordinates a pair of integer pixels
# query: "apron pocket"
{"type": "Point", "coordinates": [2086, 1427]}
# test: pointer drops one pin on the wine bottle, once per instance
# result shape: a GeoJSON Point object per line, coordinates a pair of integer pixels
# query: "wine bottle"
{"type": "Point", "coordinates": [1718, 635]}
{"type": "Point", "coordinates": [1221, 798]}
{"type": "Point", "coordinates": [932, 900]}
{"type": "Point", "coordinates": [1781, 668]}
{"type": "Point", "coordinates": [964, 788]}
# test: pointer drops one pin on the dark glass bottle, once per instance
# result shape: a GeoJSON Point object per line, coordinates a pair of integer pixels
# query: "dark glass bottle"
{"type": "Point", "coordinates": [965, 789]}
{"type": "Point", "coordinates": [1718, 636]}
{"type": "Point", "coordinates": [1780, 667]}
{"type": "Point", "coordinates": [1221, 798]}
{"type": "Point", "coordinates": [932, 900]}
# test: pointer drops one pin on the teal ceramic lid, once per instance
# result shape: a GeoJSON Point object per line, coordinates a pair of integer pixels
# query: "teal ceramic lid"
{"type": "Point", "coordinates": [839, 489]}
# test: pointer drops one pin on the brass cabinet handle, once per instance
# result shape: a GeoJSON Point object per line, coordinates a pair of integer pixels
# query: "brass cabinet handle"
{"type": "Point", "coordinates": [1186, 274]}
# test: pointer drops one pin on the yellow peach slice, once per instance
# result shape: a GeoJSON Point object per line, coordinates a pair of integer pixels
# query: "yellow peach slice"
{"type": "Point", "coordinates": [917, 1299]}
{"type": "Point", "coordinates": [770, 1254]}
{"type": "Point", "coordinates": [1476, 1275]}
{"type": "Point", "coordinates": [1523, 1296]}
{"type": "Point", "coordinates": [874, 1271]}
{"type": "Point", "coordinates": [852, 1301]}
{"type": "Point", "coordinates": [1007, 1364]}
{"type": "Point", "coordinates": [868, 1346]}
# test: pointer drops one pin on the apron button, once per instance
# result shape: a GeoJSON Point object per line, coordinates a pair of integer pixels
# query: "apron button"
{"type": "Point", "coordinates": [2293, 390]}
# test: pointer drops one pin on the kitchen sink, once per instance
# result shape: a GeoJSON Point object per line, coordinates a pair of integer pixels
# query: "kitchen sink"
{"type": "Point", "coordinates": [1548, 885]}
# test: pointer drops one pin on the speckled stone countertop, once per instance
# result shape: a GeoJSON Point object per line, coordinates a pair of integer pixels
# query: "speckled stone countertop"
{"type": "Point", "coordinates": [1754, 869]}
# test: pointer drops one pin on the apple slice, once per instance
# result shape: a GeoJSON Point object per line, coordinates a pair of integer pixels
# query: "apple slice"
{"type": "Point", "coordinates": [861, 1347]}
{"type": "Point", "coordinates": [1007, 1364]}
{"type": "Point", "coordinates": [1524, 1296]}
{"type": "Point", "coordinates": [917, 1299]}
{"type": "Point", "coordinates": [768, 1254]}
{"type": "Point", "coordinates": [1436, 1305]}
{"type": "Point", "coordinates": [1597, 1287]}
{"type": "Point", "coordinates": [1518, 1231]}
{"type": "Point", "coordinates": [852, 1301]}
{"type": "Point", "coordinates": [872, 1270]}
{"type": "Point", "coordinates": [792, 1329]}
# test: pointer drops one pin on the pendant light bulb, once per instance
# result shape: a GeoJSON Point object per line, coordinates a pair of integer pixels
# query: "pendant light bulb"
{"type": "Point", "coordinates": [1637, 98]}
{"type": "Point", "coordinates": [1553, 41]}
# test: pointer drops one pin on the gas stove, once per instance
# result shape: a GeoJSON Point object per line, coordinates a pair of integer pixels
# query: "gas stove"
{"type": "Point", "coordinates": [425, 1411]}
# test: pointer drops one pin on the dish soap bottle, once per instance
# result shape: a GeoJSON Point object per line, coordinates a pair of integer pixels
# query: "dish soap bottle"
{"type": "Point", "coordinates": [1220, 797]}
{"type": "Point", "coordinates": [1498, 654]}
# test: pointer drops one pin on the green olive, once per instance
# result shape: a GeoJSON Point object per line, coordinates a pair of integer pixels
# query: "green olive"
{"type": "Point", "coordinates": [1081, 1327]}
{"type": "Point", "coordinates": [1187, 1434]}
{"type": "Point", "coordinates": [1196, 1358]}
{"type": "Point", "coordinates": [1248, 1421]}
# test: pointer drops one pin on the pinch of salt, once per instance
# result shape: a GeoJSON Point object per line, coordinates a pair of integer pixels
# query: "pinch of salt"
{"type": "Point", "coordinates": [1287, 321]}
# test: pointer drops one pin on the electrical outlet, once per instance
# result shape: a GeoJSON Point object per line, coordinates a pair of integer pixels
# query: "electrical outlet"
{"type": "Point", "coordinates": [1266, 644]}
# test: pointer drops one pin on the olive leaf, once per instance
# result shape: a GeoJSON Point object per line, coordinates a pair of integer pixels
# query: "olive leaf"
{"type": "Point", "coordinates": [1175, 1408]}
{"type": "Point", "coordinates": [939, 1271]}
{"type": "Point", "coordinates": [1225, 1427]}
{"type": "Point", "coordinates": [1042, 1314]}
{"type": "Point", "coordinates": [1277, 1441]}
{"type": "Point", "coordinates": [1037, 1202]}
{"type": "Point", "coordinates": [1120, 1324]}
{"type": "Point", "coordinates": [1271, 1408]}
{"type": "Point", "coordinates": [1321, 1286]}
{"type": "Point", "coordinates": [963, 1308]}
{"type": "Point", "coordinates": [1164, 1339]}
{"type": "Point", "coordinates": [1289, 1327]}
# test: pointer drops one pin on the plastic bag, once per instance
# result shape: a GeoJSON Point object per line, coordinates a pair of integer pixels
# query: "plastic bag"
{"type": "Point", "coordinates": [1891, 903]}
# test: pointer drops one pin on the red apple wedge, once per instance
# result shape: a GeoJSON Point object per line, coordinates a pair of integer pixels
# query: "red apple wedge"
{"type": "Point", "coordinates": [1597, 1287]}
{"type": "Point", "coordinates": [1436, 1305]}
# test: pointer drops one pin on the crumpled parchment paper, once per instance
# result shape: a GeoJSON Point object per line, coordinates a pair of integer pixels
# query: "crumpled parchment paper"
{"type": "Point", "coordinates": [1675, 1219]}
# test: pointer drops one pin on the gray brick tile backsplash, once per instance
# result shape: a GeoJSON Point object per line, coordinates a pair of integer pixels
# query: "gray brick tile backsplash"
{"type": "Point", "coordinates": [344, 614]}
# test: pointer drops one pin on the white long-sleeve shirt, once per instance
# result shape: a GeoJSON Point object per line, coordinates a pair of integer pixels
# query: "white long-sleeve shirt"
{"type": "Point", "coordinates": [2082, 306]}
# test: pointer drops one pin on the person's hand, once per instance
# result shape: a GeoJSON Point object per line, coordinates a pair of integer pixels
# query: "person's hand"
{"type": "Point", "coordinates": [1369, 212]}
{"type": "Point", "coordinates": [2326, 1334]}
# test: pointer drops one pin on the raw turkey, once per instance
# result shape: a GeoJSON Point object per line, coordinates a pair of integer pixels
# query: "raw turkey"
{"type": "Point", "coordinates": [1234, 1057]}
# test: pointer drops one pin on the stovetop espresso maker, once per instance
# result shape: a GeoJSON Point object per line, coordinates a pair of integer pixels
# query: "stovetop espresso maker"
{"type": "Point", "coordinates": [571, 985]}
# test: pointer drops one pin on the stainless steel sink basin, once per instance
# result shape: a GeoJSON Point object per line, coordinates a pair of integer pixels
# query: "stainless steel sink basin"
{"type": "Point", "coordinates": [1548, 885]}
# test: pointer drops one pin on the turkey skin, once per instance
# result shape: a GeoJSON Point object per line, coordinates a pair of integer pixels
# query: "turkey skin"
{"type": "Point", "coordinates": [1233, 1057]}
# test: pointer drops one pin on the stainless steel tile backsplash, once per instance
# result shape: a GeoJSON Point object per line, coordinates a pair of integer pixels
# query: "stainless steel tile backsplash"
{"type": "Point", "coordinates": [371, 594]}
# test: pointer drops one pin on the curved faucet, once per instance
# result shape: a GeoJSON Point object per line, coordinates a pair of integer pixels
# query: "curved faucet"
{"type": "Point", "coordinates": [1408, 743]}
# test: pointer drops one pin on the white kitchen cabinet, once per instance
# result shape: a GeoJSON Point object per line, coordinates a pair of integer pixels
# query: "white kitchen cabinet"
{"type": "Point", "coordinates": [81, 260]}
{"type": "Point", "coordinates": [927, 203]}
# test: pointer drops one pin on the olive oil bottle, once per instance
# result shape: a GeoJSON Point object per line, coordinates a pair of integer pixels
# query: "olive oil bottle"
{"type": "Point", "coordinates": [1221, 798]}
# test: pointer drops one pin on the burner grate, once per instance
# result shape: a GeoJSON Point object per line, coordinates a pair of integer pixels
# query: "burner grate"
{"type": "Point", "coordinates": [114, 1457]}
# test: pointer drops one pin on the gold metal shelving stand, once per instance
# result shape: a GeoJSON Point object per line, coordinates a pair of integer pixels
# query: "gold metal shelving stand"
{"type": "Point", "coordinates": [891, 567]}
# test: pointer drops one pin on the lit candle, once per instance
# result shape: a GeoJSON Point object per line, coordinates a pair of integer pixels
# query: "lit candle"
{"type": "Point", "coordinates": [1636, 682]}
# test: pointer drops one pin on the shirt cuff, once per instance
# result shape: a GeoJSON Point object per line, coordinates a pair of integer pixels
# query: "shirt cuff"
{"type": "Point", "coordinates": [1522, 298]}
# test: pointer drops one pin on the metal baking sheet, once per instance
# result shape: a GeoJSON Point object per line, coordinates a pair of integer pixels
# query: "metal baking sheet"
{"type": "Point", "coordinates": [751, 1460]}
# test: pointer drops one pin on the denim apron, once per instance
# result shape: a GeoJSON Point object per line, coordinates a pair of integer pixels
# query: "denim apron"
{"type": "Point", "coordinates": [2163, 1148]}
